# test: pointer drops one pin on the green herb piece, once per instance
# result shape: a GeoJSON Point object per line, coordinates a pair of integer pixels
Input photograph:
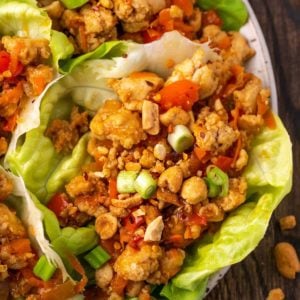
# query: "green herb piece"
{"type": "Point", "coordinates": [145, 185]}
{"type": "Point", "coordinates": [181, 138]}
{"type": "Point", "coordinates": [125, 182]}
{"type": "Point", "coordinates": [44, 269]}
{"type": "Point", "coordinates": [97, 257]}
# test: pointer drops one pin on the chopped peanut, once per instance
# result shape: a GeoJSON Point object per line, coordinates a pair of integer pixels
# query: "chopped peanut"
{"type": "Point", "coordinates": [106, 226]}
{"type": "Point", "coordinates": [194, 190]}
{"type": "Point", "coordinates": [288, 222]}
{"type": "Point", "coordinates": [276, 294]}
{"type": "Point", "coordinates": [171, 179]}
{"type": "Point", "coordinates": [287, 260]}
{"type": "Point", "coordinates": [154, 230]}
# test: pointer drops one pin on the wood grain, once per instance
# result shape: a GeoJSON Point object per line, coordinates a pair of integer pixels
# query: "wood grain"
{"type": "Point", "coordinates": [256, 275]}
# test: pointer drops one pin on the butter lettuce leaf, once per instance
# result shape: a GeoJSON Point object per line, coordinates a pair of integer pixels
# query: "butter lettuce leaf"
{"type": "Point", "coordinates": [106, 50]}
{"type": "Point", "coordinates": [61, 47]}
{"type": "Point", "coordinates": [269, 177]}
{"type": "Point", "coordinates": [232, 12]}
{"type": "Point", "coordinates": [24, 19]}
{"type": "Point", "coordinates": [34, 217]}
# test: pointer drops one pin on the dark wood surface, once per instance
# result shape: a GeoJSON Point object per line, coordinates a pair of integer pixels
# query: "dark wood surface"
{"type": "Point", "coordinates": [256, 275]}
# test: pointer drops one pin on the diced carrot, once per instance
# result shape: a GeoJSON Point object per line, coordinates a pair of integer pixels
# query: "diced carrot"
{"type": "Point", "coordinates": [112, 188]}
{"type": "Point", "coordinates": [224, 43]}
{"type": "Point", "coordinates": [151, 35]}
{"type": "Point", "coordinates": [78, 268]}
{"type": "Point", "coordinates": [175, 238]}
{"type": "Point", "coordinates": [200, 153]}
{"type": "Point", "coordinates": [270, 120]}
{"type": "Point", "coordinates": [262, 106]}
{"type": "Point", "coordinates": [185, 5]}
{"type": "Point", "coordinates": [164, 19]}
{"type": "Point", "coordinates": [20, 246]}
{"type": "Point", "coordinates": [39, 83]}
{"type": "Point", "coordinates": [183, 93]}
{"type": "Point", "coordinates": [235, 114]}
{"type": "Point", "coordinates": [118, 284]}
{"type": "Point", "coordinates": [142, 75]}
{"type": "Point", "coordinates": [237, 151]}
{"type": "Point", "coordinates": [170, 128]}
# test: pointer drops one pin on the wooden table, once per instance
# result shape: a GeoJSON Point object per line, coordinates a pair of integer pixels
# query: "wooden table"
{"type": "Point", "coordinates": [256, 275]}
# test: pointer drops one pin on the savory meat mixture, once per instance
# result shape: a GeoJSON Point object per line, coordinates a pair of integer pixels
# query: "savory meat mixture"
{"type": "Point", "coordinates": [16, 254]}
{"type": "Point", "coordinates": [23, 76]}
{"type": "Point", "coordinates": [167, 157]}
{"type": "Point", "coordinates": [140, 20]}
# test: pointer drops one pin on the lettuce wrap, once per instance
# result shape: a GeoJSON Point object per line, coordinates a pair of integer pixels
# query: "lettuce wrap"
{"type": "Point", "coordinates": [46, 174]}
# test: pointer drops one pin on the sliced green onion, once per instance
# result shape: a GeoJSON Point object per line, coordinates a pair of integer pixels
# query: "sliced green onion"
{"type": "Point", "coordinates": [213, 189]}
{"type": "Point", "coordinates": [125, 182]}
{"type": "Point", "coordinates": [43, 268]}
{"type": "Point", "coordinates": [219, 178]}
{"type": "Point", "coordinates": [97, 257]}
{"type": "Point", "coordinates": [181, 138]}
{"type": "Point", "coordinates": [145, 185]}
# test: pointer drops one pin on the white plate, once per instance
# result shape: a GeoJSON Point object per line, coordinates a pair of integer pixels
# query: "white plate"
{"type": "Point", "coordinates": [261, 66]}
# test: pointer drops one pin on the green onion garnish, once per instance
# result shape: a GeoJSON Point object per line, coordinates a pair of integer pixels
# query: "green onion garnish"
{"type": "Point", "coordinates": [213, 189]}
{"type": "Point", "coordinates": [181, 138]}
{"type": "Point", "coordinates": [97, 257]}
{"type": "Point", "coordinates": [145, 185]}
{"type": "Point", "coordinates": [217, 177]}
{"type": "Point", "coordinates": [43, 268]}
{"type": "Point", "coordinates": [125, 182]}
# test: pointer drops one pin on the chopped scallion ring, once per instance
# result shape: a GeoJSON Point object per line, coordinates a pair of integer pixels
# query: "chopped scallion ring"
{"type": "Point", "coordinates": [97, 257]}
{"type": "Point", "coordinates": [181, 138]}
{"type": "Point", "coordinates": [145, 185]}
{"type": "Point", "coordinates": [213, 189]}
{"type": "Point", "coordinates": [43, 268]}
{"type": "Point", "coordinates": [217, 177]}
{"type": "Point", "coordinates": [125, 182]}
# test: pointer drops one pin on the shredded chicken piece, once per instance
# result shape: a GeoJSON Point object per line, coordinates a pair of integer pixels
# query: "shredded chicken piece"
{"type": "Point", "coordinates": [196, 70]}
{"type": "Point", "coordinates": [115, 123]}
{"type": "Point", "coordinates": [136, 88]}
{"type": "Point", "coordinates": [64, 134]}
{"type": "Point", "coordinates": [212, 133]}
{"type": "Point", "coordinates": [90, 27]}
{"type": "Point", "coordinates": [138, 264]}
{"type": "Point", "coordinates": [27, 50]}
{"type": "Point", "coordinates": [134, 15]}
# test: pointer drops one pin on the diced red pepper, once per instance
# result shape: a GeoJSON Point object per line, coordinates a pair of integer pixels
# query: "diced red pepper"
{"type": "Point", "coordinates": [183, 93]}
{"type": "Point", "coordinates": [4, 61]}
{"type": "Point", "coordinates": [136, 241]}
{"type": "Point", "coordinates": [197, 220]}
{"type": "Point", "coordinates": [224, 162]}
{"type": "Point", "coordinates": [58, 203]}
{"type": "Point", "coordinates": [132, 223]}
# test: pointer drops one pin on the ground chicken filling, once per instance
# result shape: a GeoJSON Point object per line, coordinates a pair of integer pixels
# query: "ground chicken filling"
{"type": "Point", "coordinates": [167, 162]}
{"type": "Point", "coordinates": [23, 76]}
{"type": "Point", "coordinates": [140, 20]}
